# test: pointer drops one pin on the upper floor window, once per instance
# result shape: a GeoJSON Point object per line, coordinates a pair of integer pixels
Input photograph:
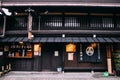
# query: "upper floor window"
{"type": "Point", "coordinates": [64, 22]}
{"type": "Point", "coordinates": [107, 22]}
{"type": "Point", "coordinates": [21, 23]}
{"type": "Point", "coordinates": [17, 23]}
{"type": "Point", "coordinates": [51, 21]}
{"type": "Point", "coordinates": [118, 22]}
{"type": "Point", "coordinates": [71, 22]}
{"type": "Point", "coordinates": [95, 22]}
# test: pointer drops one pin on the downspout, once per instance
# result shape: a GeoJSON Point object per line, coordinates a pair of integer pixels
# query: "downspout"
{"type": "Point", "coordinates": [4, 27]}
{"type": "Point", "coordinates": [4, 17]}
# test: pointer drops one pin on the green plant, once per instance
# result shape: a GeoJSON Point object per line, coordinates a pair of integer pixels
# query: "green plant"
{"type": "Point", "coordinates": [117, 63]}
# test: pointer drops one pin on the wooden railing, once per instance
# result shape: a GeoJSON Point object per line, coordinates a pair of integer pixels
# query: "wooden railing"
{"type": "Point", "coordinates": [65, 22]}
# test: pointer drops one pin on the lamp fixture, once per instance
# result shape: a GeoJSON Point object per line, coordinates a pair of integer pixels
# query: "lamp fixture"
{"type": "Point", "coordinates": [63, 35]}
{"type": "Point", "coordinates": [94, 35]}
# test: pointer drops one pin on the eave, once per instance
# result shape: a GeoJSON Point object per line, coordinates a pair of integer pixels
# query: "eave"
{"type": "Point", "coordinates": [5, 4]}
{"type": "Point", "coordinates": [115, 32]}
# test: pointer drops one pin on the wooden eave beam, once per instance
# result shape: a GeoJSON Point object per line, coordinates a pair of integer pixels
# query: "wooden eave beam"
{"type": "Point", "coordinates": [101, 14]}
{"type": "Point", "coordinates": [66, 32]}
{"type": "Point", "coordinates": [5, 4]}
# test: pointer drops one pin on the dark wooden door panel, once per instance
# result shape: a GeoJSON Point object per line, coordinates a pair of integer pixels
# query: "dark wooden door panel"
{"type": "Point", "coordinates": [37, 63]}
{"type": "Point", "coordinates": [46, 59]}
{"type": "Point", "coordinates": [49, 60]}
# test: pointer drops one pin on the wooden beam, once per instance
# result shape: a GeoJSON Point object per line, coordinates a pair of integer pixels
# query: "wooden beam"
{"type": "Point", "coordinates": [51, 13]}
{"type": "Point", "coordinates": [32, 3]}
{"type": "Point", "coordinates": [109, 62]}
{"type": "Point", "coordinates": [101, 14]}
{"type": "Point", "coordinates": [21, 14]}
{"type": "Point", "coordinates": [66, 32]}
{"type": "Point", "coordinates": [71, 13]}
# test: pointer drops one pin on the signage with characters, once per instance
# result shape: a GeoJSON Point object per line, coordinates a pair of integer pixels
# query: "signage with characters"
{"type": "Point", "coordinates": [90, 52]}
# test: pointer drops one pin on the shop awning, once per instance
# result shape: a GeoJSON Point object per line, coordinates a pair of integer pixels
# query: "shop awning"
{"type": "Point", "coordinates": [61, 39]}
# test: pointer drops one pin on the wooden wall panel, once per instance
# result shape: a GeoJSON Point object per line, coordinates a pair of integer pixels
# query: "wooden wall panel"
{"type": "Point", "coordinates": [21, 64]}
{"type": "Point", "coordinates": [37, 63]}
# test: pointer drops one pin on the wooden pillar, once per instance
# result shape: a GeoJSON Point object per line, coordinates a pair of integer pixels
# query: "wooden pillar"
{"type": "Point", "coordinates": [29, 26]}
{"type": "Point", "coordinates": [0, 3]}
{"type": "Point", "coordinates": [30, 18]}
{"type": "Point", "coordinates": [109, 63]}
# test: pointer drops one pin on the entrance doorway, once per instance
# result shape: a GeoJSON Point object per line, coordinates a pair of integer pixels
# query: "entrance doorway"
{"type": "Point", "coordinates": [46, 59]}
{"type": "Point", "coordinates": [51, 56]}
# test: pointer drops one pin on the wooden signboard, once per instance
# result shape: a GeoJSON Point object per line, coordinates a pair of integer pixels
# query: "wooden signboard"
{"type": "Point", "coordinates": [71, 47]}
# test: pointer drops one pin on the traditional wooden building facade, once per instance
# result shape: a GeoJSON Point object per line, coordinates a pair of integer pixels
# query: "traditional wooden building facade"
{"type": "Point", "coordinates": [43, 35]}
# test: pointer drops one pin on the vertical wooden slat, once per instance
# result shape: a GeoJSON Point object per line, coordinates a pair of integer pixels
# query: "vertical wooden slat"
{"type": "Point", "coordinates": [71, 21]}
{"type": "Point", "coordinates": [56, 21]}
{"type": "Point", "coordinates": [39, 22]}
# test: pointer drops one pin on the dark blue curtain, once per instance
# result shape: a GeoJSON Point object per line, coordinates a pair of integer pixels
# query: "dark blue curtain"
{"type": "Point", "coordinates": [95, 58]}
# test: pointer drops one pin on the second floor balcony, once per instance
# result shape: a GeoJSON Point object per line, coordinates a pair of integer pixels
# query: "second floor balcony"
{"type": "Point", "coordinates": [58, 23]}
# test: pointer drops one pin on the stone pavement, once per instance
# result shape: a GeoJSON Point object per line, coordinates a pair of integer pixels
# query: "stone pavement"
{"type": "Point", "coordinates": [56, 76]}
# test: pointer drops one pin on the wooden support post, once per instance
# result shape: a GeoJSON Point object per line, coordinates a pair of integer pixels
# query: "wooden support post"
{"type": "Point", "coordinates": [30, 18]}
{"type": "Point", "coordinates": [29, 26]}
{"type": "Point", "coordinates": [9, 66]}
{"type": "Point", "coordinates": [0, 3]}
{"type": "Point", "coordinates": [109, 63]}
{"type": "Point", "coordinates": [2, 68]}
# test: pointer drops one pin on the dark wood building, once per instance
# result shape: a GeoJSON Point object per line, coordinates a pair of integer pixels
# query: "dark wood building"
{"type": "Point", "coordinates": [43, 35]}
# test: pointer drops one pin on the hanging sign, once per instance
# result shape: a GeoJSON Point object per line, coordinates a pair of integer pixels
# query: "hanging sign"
{"type": "Point", "coordinates": [56, 53]}
{"type": "Point", "coordinates": [70, 56]}
{"type": "Point", "coordinates": [37, 50]}
{"type": "Point", "coordinates": [71, 47]}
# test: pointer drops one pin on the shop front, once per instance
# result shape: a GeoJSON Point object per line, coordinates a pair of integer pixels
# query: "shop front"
{"type": "Point", "coordinates": [47, 38]}
{"type": "Point", "coordinates": [70, 54]}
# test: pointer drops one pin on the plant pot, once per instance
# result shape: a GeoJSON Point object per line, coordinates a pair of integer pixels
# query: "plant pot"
{"type": "Point", "coordinates": [118, 72]}
{"type": "Point", "coordinates": [59, 69]}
